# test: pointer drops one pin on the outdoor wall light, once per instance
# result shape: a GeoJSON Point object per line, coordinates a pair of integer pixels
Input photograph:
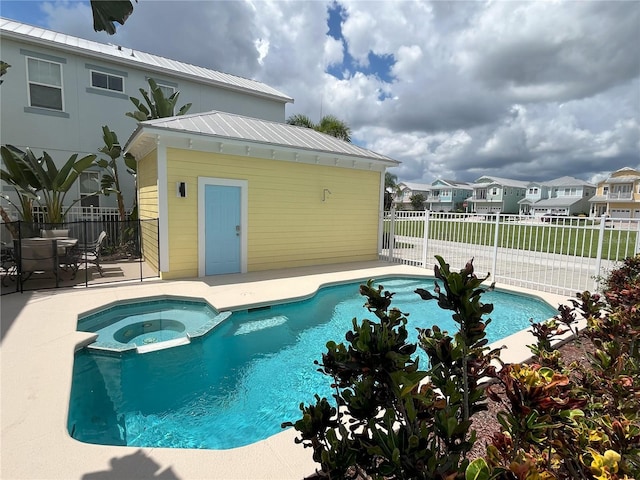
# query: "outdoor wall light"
{"type": "Point", "coordinates": [181, 189]}
{"type": "Point", "coordinates": [324, 194]}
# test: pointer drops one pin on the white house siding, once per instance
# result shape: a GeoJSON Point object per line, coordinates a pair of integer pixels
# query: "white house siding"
{"type": "Point", "coordinates": [78, 128]}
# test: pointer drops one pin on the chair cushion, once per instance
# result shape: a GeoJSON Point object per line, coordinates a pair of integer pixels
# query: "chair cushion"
{"type": "Point", "coordinates": [54, 233]}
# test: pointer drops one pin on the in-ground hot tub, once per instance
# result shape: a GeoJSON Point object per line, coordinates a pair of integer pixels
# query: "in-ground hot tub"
{"type": "Point", "coordinates": [150, 324]}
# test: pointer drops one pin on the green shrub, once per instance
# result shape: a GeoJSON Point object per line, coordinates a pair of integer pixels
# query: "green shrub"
{"type": "Point", "coordinates": [394, 420]}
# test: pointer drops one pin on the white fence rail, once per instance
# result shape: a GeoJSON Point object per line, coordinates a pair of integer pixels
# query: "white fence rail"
{"type": "Point", "coordinates": [561, 255]}
{"type": "Point", "coordinates": [75, 214]}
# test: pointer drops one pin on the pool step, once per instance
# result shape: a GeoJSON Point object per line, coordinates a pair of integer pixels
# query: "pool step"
{"type": "Point", "coordinates": [152, 347]}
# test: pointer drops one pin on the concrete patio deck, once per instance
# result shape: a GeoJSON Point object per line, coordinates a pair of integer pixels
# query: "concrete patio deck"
{"type": "Point", "coordinates": [39, 339]}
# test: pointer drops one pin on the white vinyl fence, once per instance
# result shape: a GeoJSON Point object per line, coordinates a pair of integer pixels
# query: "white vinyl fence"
{"type": "Point", "coordinates": [561, 255]}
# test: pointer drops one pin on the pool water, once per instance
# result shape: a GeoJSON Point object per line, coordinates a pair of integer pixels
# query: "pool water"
{"type": "Point", "coordinates": [237, 384]}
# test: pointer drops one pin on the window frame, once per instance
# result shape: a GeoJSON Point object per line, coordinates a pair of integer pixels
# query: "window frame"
{"type": "Point", "coordinates": [47, 85]}
{"type": "Point", "coordinates": [162, 85]}
{"type": "Point", "coordinates": [84, 195]}
{"type": "Point", "coordinates": [108, 75]}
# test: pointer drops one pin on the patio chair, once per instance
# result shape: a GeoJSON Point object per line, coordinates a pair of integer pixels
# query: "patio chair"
{"type": "Point", "coordinates": [90, 253]}
{"type": "Point", "coordinates": [35, 255]}
{"type": "Point", "coordinates": [8, 266]}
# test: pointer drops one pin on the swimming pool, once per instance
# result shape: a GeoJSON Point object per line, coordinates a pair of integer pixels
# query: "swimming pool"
{"type": "Point", "coordinates": [235, 385]}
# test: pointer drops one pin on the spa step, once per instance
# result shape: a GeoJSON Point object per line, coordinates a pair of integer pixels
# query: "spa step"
{"type": "Point", "coordinates": [152, 347]}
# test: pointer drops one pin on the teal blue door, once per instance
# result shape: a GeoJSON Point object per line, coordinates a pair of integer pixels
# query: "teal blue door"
{"type": "Point", "coordinates": [222, 229]}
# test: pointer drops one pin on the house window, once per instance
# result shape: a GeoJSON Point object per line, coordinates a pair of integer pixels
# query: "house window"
{"type": "Point", "coordinates": [494, 191]}
{"type": "Point", "coordinates": [89, 185]}
{"type": "Point", "coordinates": [167, 90]}
{"type": "Point", "coordinates": [45, 84]}
{"type": "Point", "coordinates": [107, 81]}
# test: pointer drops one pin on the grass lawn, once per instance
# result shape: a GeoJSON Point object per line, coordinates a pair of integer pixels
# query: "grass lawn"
{"type": "Point", "coordinates": [578, 238]}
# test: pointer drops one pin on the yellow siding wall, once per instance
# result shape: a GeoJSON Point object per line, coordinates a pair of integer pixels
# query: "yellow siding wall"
{"type": "Point", "coordinates": [288, 223]}
{"type": "Point", "coordinates": [147, 177]}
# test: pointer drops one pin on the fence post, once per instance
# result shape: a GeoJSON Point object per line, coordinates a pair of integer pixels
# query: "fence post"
{"type": "Point", "coordinates": [139, 249]}
{"type": "Point", "coordinates": [84, 254]}
{"type": "Point", "coordinates": [596, 274]}
{"type": "Point", "coordinates": [425, 241]}
{"type": "Point", "coordinates": [392, 233]}
{"type": "Point", "coordinates": [494, 262]}
{"type": "Point", "coordinates": [636, 248]}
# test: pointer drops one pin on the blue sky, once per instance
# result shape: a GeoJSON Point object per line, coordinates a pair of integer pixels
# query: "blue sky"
{"type": "Point", "coordinates": [26, 11]}
{"type": "Point", "coordinates": [456, 90]}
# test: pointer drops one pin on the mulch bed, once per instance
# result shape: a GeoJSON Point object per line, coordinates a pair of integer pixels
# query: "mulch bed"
{"type": "Point", "coordinates": [485, 423]}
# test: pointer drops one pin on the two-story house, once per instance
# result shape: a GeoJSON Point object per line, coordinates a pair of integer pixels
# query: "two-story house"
{"type": "Point", "coordinates": [60, 90]}
{"type": "Point", "coordinates": [495, 195]}
{"type": "Point", "coordinates": [618, 196]}
{"type": "Point", "coordinates": [561, 196]}
{"type": "Point", "coordinates": [406, 190]}
{"type": "Point", "coordinates": [439, 196]}
{"type": "Point", "coordinates": [448, 195]}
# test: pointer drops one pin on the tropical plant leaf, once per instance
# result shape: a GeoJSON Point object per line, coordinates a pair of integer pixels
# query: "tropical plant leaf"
{"type": "Point", "coordinates": [107, 13]}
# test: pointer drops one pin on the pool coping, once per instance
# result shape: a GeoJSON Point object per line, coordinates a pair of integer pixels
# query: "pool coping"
{"type": "Point", "coordinates": [37, 361]}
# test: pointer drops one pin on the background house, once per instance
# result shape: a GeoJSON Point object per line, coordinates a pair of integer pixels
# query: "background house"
{"type": "Point", "coordinates": [60, 90]}
{"type": "Point", "coordinates": [561, 196]}
{"type": "Point", "coordinates": [618, 196]}
{"type": "Point", "coordinates": [406, 190]}
{"type": "Point", "coordinates": [440, 195]}
{"type": "Point", "coordinates": [496, 195]}
{"type": "Point", "coordinates": [238, 194]}
{"type": "Point", "coordinates": [448, 195]}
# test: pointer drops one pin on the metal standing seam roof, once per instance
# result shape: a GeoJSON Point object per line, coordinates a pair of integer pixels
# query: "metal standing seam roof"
{"type": "Point", "coordinates": [557, 202]}
{"type": "Point", "coordinates": [565, 182]}
{"type": "Point", "coordinates": [417, 187]}
{"type": "Point", "coordinates": [507, 182]}
{"type": "Point", "coordinates": [128, 56]}
{"type": "Point", "coordinates": [222, 125]}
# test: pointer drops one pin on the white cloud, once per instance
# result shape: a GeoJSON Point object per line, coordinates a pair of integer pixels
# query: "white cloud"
{"type": "Point", "coordinates": [529, 90]}
{"type": "Point", "coordinates": [333, 52]}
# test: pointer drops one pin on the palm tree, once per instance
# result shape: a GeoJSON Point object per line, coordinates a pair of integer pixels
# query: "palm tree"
{"type": "Point", "coordinates": [391, 189]}
{"type": "Point", "coordinates": [329, 124]}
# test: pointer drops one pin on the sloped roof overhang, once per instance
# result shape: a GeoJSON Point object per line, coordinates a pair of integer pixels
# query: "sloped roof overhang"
{"type": "Point", "coordinates": [150, 134]}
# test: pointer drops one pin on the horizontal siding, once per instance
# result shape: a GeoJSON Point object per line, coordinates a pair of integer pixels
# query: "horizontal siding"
{"type": "Point", "coordinates": [289, 225]}
{"type": "Point", "coordinates": [147, 177]}
{"type": "Point", "coordinates": [149, 238]}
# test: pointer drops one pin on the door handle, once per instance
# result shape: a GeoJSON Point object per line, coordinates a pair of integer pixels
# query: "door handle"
{"type": "Point", "coordinates": [238, 230]}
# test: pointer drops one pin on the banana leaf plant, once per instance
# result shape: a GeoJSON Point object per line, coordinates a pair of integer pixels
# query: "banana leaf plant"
{"type": "Point", "coordinates": [110, 181]}
{"type": "Point", "coordinates": [53, 183]}
{"type": "Point", "coordinates": [158, 106]}
{"type": "Point", "coordinates": [107, 12]}
{"type": "Point", "coordinates": [22, 179]}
